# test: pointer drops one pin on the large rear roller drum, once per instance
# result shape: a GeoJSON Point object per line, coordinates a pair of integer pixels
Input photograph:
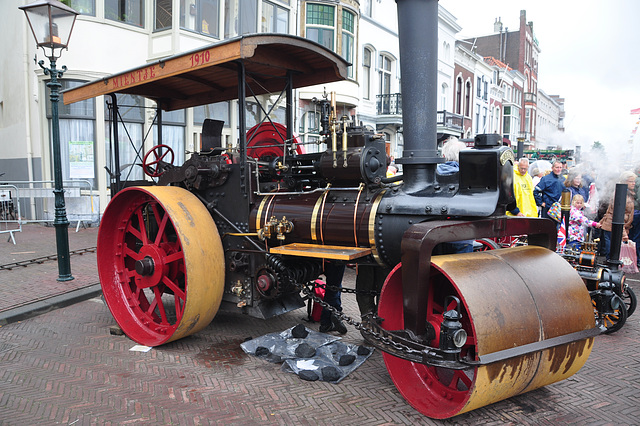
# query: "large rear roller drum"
{"type": "Point", "coordinates": [161, 263]}
{"type": "Point", "coordinates": [510, 298]}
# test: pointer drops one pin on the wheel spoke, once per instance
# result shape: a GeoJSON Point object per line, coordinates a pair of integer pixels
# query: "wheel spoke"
{"type": "Point", "coordinates": [158, 301]}
{"type": "Point", "coordinates": [176, 290]}
{"type": "Point", "coordinates": [143, 228]}
{"type": "Point", "coordinates": [133, 231]}
{"type": "Point", "coordinates": [460, 376]}
{"type": "Point", "coordinates": [128, 251]}
{"type": "Point", "coordinates": [162, 221]}
{"type": "Point", "coordinates": [161, 228]}
{"type": "Point", "coordinates": [173, 257]}
{"type": "Point", "coordinates": [179, 303]}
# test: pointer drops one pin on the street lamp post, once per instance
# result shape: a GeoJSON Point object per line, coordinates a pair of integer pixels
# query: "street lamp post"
{"type": "Point", "coordinates": [51, 23]}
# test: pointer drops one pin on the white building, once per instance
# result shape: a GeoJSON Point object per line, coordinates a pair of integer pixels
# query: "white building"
{"type": "Point", "coordinates": [548, 120]}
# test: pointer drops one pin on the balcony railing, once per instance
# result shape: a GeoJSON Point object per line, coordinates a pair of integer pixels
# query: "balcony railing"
{"type": "Point", "coordinates": [450, 120]}
{"type": "Point", "coordinates": [530, 98]}
{"type": "Point", "coordinates": [391, 104]}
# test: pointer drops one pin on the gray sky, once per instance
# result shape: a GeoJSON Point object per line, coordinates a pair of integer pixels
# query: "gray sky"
{"type": "Point", "coordinates": [590, 55]}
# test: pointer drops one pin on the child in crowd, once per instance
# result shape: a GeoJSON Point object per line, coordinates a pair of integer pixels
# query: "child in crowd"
{"type": "Point", "coordinates": [577, 223]}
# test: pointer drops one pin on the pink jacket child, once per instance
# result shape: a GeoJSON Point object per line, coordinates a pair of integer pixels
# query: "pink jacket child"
{"type": "Point", "coordinates": [577, 220]}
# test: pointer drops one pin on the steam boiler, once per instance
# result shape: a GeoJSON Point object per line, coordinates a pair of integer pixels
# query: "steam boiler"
{"type": "Point", "coordinates": [248, 227]}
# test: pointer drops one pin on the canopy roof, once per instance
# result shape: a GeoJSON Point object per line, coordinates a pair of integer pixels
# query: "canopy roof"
{"type": "Point", "coordinates": [210, 74]}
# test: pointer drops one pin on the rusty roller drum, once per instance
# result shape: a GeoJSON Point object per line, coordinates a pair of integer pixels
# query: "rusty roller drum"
{"type": "Point", "coordinates": [161, 263]}
{"type": "Point", "coordinates": [510, 298]}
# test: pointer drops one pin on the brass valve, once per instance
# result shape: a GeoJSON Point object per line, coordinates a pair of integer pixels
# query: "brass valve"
{"type": "Point", "coordinates": [277, 227]}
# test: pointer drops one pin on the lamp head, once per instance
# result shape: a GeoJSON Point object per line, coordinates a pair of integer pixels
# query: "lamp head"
{"type": "Point", "coordinates": [51, 23]}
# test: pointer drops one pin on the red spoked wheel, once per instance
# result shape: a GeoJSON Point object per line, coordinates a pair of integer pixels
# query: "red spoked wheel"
{"type": "Point", "coordinates": [268, 140]}
{"type": "Point", "coordinates": [509, 298]}
{"type": "Point", "coordinates": [434, 391]}
{"type": "Point", "coordinates": [152, 168]}
{"type": "Point", "coordinates": [160, 262]}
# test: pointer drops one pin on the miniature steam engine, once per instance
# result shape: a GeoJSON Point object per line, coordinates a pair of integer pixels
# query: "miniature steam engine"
{"type": "Point", "coordinates": [247, 228]}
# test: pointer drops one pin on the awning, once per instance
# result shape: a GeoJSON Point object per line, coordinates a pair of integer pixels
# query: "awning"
{"type": "Point", "coordinates": [210, 74]}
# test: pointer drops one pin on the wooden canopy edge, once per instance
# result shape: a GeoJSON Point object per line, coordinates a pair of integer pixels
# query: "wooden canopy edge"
{"type": "Point", "coordinates": [257, 49]}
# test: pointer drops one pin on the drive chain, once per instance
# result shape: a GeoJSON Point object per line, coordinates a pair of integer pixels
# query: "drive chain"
{"type": "Point", "coordinates": [357, 324]}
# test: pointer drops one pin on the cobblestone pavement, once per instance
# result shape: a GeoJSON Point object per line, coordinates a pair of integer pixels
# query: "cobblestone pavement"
{"type": "Point", "coordinates": [64, 367]}
{"type": "Point", "coordinates": [25, 290]}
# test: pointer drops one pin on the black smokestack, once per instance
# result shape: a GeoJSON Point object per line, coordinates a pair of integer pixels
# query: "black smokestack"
{"type": "Point", "coordinates": [418, 43]}
{"type": "Point", "coordinates": [617, 224]}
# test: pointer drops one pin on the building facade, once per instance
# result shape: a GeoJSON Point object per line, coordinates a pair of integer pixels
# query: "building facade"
{"type": "Point", "coordinates": [518, 50]}
{"type": "Point", "coordinates": [475, 96]}
{"type": "Point", "coordinates": [548, 119]}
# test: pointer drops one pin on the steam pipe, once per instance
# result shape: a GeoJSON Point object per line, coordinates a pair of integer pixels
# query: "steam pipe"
{"type": "Point", "coordinates": [617, 225]}
{"type": "Point", "coordinates": [418, 43]}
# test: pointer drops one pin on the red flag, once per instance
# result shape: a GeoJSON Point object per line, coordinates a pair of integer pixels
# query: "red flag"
{"type": "Point", "coordinates": [562, 237]}
{"type": "Point", "coordinates": [635, 111]}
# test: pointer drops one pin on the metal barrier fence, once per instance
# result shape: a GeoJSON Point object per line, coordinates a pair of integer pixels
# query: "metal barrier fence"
{"type": "Point", "coordinates": [35, 201]}
{"type": "Point", "coordinates": [10, 221]}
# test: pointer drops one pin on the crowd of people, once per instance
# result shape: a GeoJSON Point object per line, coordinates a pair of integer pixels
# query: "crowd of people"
{"type": "Point", "coordinates": [536, 192]}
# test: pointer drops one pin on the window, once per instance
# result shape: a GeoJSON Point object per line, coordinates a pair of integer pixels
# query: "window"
{"type": "Point", "coordinates": [253, 114]}
{"type": "Point", "coordinates": [385, 75]}
{"type": "Point", "coordinates": [443, 97]}
{"type": "Point", "coordinates": [484, 119]}
{"type": "Point", "coordinates": [478, 88]}
{"type": "Point", "coordinates": [321, 24]}
{"type": "Point", "coordinates": [367, 7]}
{"type": "Point", "coordinates": [467, 99]}
{"type": "Point", "coordinates": [130, 136]}
{"type": "Point", "coordinates": [77, 136]}
{"type": "Point", "coordinates": [127, 11]}
{"type": "Point", "coordinates": [241, 17]}
{"type": "Point", "coordinates": [366, 73]}
{"type": "Point", "coordinates": [173, 128]}
{"type": "Point", "coordinates": [310, 131]}
{"type": "Point", "coordinates": [486, 91]}
{"type": "Point", "coordinates": [217, 111]}
{"type": "Point", "coordinates": [85, 7]}
{"type": "Point", "coordinates": [459, 95]}
{"type": "Point", "coordinates": [201, 16]}
{"type": "Point", "coordinates": [348, 38]}
{"type": "Point", "coordinates": [275, 19]}
{"type": "Point", "coordinates": [163, 16]}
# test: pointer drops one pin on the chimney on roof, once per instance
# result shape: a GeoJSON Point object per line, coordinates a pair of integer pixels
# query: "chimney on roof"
{"type": "Point", "coordinates": [497, 25]}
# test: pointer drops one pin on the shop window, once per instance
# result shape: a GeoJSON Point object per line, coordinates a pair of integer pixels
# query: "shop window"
{"type": "Point", "coordinates": [130, 136]}
{"type": "Point", "coordinates": [173, 134]}
{"type": "Point", "coordinates": [77, 136]}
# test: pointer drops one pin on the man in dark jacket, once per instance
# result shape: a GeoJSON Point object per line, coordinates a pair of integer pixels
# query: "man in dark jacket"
{"type": "Point", "coordinates": [549, 189]}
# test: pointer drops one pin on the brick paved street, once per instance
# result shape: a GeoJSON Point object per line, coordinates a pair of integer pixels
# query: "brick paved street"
{"type": "Point", "coordinates": [64, 367]}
